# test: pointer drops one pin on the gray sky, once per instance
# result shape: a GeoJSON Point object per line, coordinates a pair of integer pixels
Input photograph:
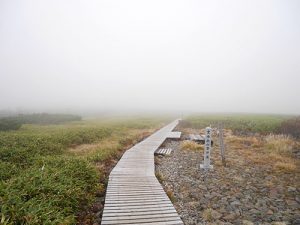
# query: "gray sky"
{"type": "Point", "coordinates": [216, 56]}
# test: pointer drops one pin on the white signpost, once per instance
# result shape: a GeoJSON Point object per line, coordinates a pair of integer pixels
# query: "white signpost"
{"type": "Point", "coordinates": [207, 148]}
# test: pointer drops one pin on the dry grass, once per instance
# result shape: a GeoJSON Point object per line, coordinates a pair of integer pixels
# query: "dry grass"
{"type": "Point", "coordinates": [114, 141]}
{"type": "Point", "coordinates": [278, 162]}
{"type": "Point", "coordinates": [287, 167]}
{"type": "Point", "coordinates": [191, 145]}
{"type": "Point", "coordinates": [273, 150]}
{"type": "Point", "coordinates": [207, 215]}
{"type": "Point", "coordinates": [244, 142]}
{"type": "Point", "coordinates": [159, 176]}
{"type": "Point", "coordinates": [170, 194]}
{"type": "Point", "coordinates": [91, 148]}
{"type": "Point", "coordinates": [279, 144]}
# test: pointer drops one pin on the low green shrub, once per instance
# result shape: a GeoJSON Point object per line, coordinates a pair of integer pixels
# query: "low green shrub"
{"type": "Point", "coordinates": [50, 192]}
{"type": "Point", "coordinates": [7, 170]}
{"type": "Point", "coordinates": [291, 127]}
{"type": "Point", "coordinates": [9, 124]}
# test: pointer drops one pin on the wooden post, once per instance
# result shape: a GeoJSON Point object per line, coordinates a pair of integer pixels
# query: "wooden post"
{"type": "Point", "coordinates": [221, 142]}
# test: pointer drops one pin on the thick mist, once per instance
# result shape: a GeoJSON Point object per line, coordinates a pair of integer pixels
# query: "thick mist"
{"type": "Point", "coordinates": [150, 56]}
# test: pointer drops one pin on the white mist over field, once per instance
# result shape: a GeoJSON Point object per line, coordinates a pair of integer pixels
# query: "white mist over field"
{"type": "Point", "coordinates": [159, 55]}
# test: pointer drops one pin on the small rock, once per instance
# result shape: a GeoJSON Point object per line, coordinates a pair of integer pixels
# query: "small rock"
{"type": "Point", "coordinates": [292, 203]}
{"type": "Point", "coordinates": [291, 189]}
{"type": "Point", "coordinates": [278, 223]}
{"type": "Point", "coordinates": [97, 207]}
{"type": "Point", "coordinates": [273, 193]}
{"type": "Point", "coordinates": [216, 215]}
{"type": "Point", "coordinates": [273, 208]}
{"type": "Point", "coordinates": [254, 211]}
{"type": "Point", "coordinates": [230, 217]}
{"type": "Point", "coordinates": [297, 221]}
{"type": "Point", "coordinates": [235, 203]}
{"type": "Point", "coordinates": [202, 187]}
{"type": "Point", "coordinates": [247, 222]}
{"type": "Point", "coordinates": [270, 212]}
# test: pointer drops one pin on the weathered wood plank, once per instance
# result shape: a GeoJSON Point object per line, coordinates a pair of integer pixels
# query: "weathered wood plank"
{"type": "Point", "coordinates": [124, 213]}
{"type": "Point", "coordinates": [136, 217]}
{"type": "Point", "coordinates": [140, 221]}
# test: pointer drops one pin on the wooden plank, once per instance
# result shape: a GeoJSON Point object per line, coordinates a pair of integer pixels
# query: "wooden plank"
{"type": "Point", "coordinates": [134, 210]}
{"type": "Point", "coordinates": [140, 221]}
{"type": "Point", "coordinates": [145, 216]}
{"type": "Point", "coordinates": [155, 211]}
{"type": "Point", "coordinates": [135, 200]}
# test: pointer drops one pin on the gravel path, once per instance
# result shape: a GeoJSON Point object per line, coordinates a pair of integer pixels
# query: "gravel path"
{"type": "Point", "coordinates": [241, 193]}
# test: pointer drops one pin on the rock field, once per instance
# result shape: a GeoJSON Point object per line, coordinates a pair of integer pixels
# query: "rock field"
{"type": "Point", "coordinates": [240, 193]}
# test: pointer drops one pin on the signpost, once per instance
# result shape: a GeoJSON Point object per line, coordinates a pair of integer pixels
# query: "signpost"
{"type": "Point", "coordinates": [207, 148]}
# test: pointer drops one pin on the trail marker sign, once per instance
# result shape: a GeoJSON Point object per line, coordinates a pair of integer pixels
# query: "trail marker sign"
{"type": "Point", "coordinates": [207, 149]}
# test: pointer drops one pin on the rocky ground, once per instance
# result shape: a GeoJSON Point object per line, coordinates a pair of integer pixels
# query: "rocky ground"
{"type": "Point", "coordinates": [243, 192]}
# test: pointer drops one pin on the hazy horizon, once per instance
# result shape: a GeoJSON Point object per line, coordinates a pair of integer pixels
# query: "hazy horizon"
{"type": "Point", "coordinates": [150, 56]}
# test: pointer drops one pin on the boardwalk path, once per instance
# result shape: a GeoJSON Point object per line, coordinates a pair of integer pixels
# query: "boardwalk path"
{"type": "Point", "coordinates": [134, 195]}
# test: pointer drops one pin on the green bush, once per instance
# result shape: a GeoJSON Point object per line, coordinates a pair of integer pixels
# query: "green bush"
{"type": "Point", "coordinates": [50, 192]}
{"type": "Point", "coordinates": [7, 170]}
{"type": "Point", "coordinates": [19, 156]}
{"type": "Point", "coordinates": [52, 195]}
{"type": "Point", "coordinates": [291, 127]}
{"type": "Point", "coordinates": [9, 124]}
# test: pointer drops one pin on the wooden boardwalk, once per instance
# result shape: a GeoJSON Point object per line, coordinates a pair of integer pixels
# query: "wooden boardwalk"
{"type": "Point", "coordinates": [134, 195]}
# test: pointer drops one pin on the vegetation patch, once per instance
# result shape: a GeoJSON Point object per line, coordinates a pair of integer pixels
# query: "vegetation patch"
{"type": "Point", "coordinates": [291, 127]}
{"type": "Point", "coordinates": [191, 146]}
{"type": "Point", "coordinates": [280, 144]}
{"type": "Point", "coordinates": [50, 174]}
{"type": "Point", "coordinates": [15, 122]}
{"type": "Point", "coordinates": [238, 123]}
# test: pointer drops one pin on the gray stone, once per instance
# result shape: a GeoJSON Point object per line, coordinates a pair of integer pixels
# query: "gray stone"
{"type": "Point", "coordinates": [230, 217]}
{"type": "Point", "coordinates": [247, 222]}
{"type": "Point", "coordinates": [292, 189]}
{"type": "Point", "coordinates": [296, 222]}
{"type": "Point", "coordinates": [235, 203]}
{"type": "Point", "coordinates": [293, 204]}
{"type": "Point", "coordinates": [254, 211]}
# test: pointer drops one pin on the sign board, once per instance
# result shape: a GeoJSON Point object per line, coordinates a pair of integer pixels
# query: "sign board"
{"type": "Point", "coordinates": [207, 149]}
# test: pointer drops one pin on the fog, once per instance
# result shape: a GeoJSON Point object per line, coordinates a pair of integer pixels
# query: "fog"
{"type": "Point", "coordinates": [150, 56]}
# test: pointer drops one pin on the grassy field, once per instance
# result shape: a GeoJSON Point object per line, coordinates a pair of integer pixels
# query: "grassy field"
{"type": "Point", "coordinates": [50, 173]}
{"type": "Point", "coordinates": [240, 123]}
